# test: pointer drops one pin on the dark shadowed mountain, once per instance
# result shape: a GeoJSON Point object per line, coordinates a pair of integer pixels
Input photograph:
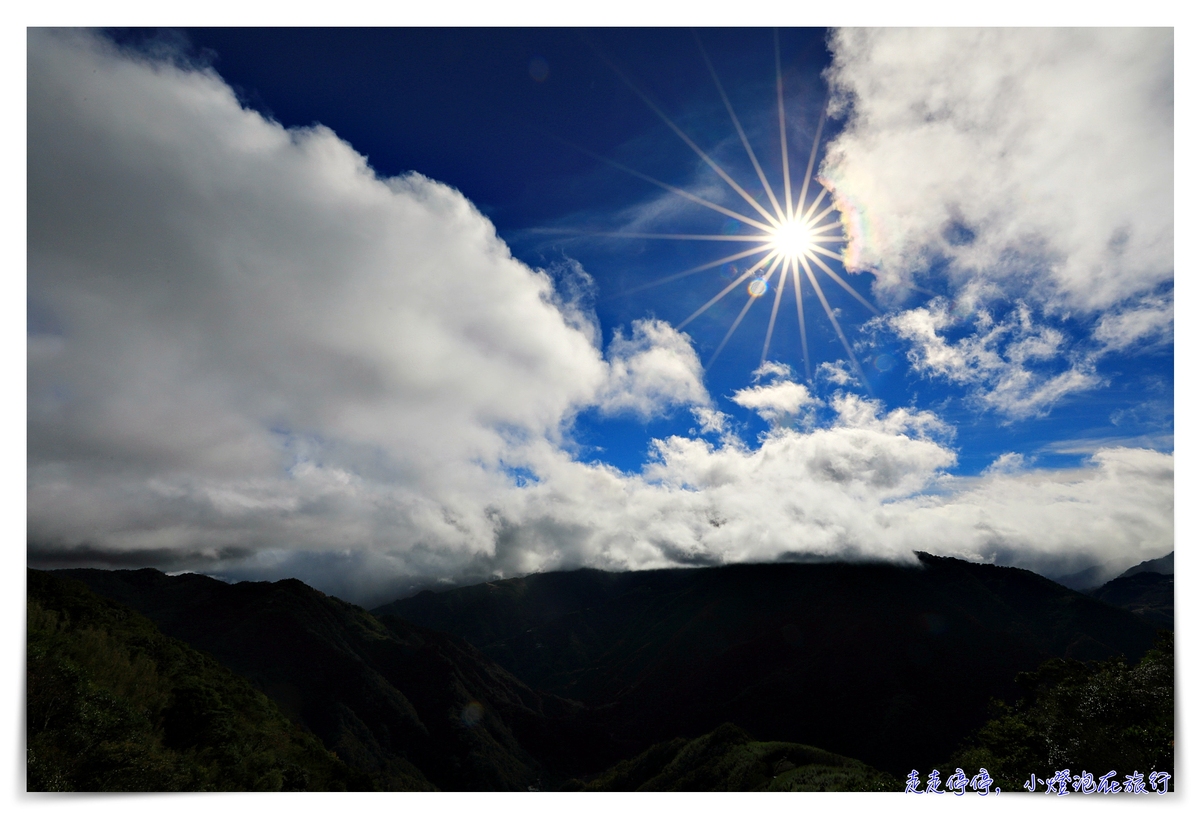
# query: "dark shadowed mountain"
{"type": "Point", "coordinates": [114, 705]}
{"type": "Point", "coordinates": [411, 707]}
{"type": "Point", "coordinates": [1162, 565]}
{"type": "Point", "coordinates": [885, 663]}
{"type": "Point", "coordinates": [1091, 577]}
{"type": "Point", "coordinates": [1082, 716]}
{"type": "Point", "coordinates": [728, 759]}
{"type": "Point", "coordinates": [1094, 576]}
{"type": "Point", "coordinates": [1146, 593]}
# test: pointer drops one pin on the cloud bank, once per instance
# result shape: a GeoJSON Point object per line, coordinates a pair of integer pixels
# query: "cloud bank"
{"type": "Point", "coordinates": [250, 355]}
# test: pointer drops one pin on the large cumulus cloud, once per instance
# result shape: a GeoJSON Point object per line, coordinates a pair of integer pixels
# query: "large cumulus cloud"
{"type": "Point", "coordinates": [239, 334]}
{"type": "Point", "coordinates": [1031, 163]}
{"type": "Point", "coordinates": [250, 355]}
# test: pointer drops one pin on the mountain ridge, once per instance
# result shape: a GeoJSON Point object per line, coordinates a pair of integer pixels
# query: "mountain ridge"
{"type": "Point", "coordinates": [1163, 565]}
{"type": "Point", "coordinates": [113, 704]}
{"type": "Point", "coordinates": [521, 683]}
{"type": "Point", "coordinates": [401, 702]}
{"type": "Point", "coordinates": [1148, 594]}
{"type": "Point", "coordinates": [680, 651]}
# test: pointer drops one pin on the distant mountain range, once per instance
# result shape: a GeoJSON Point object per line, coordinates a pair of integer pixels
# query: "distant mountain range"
{"type": "Point", "coordinates": [1094, 576]}
{"type": "Point", "coordinates": [1162, 565]}
{"type": "Point", "coordinates": [553, 679]}
{"type": "Point", "coordinates": [1147, 589]}
{"type": "Point", "coordinates": [853, 658]}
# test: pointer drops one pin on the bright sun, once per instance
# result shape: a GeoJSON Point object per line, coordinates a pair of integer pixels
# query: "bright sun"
{"type": "Point", "coordinates": [791, 234]}
{"type": "Point", "coordinates": [792, 239]}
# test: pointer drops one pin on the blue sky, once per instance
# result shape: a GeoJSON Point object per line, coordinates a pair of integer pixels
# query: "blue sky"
{"type": "Point", "coordinates": [470, 108]}
{"type": "Point", "coordinates": [216, 383]}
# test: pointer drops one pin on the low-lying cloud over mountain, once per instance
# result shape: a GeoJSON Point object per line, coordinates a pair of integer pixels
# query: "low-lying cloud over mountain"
{"type": "Point", "coordinates": [251, 356]}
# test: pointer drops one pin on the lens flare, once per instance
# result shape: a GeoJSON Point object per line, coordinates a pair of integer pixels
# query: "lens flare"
{"type": "Point", "coordinates": [757, 288]}
{"type": "Point", "coordinates": [471, 714]}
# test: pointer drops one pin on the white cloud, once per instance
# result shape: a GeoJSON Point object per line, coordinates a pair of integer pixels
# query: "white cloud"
{"type": "Point", "coordinates": [1041, 158]}
{"type": "Point", "coordinates": [700, 503]}
{"type": "Point", "coordinates": [859, 413]}
{"type": "Point", "coordinates": [1006, 463]}
{"type": "Point", "coordinates": [652, 371]}
{"type": "Point", "coordinates": [574, 294]}
{"type": "Point", "coordinates": [247, 338]}
{"type": "Point", "coordinates": [776, 402]}
{"type": "Point", "coordinates": [1014, 366]}
{"type": "Point", "coordinates": [1020, 163]}
{"type": "Point", "coordinates": [771, 370]}
{"type": "Point", "coordinates": [250, 355]}
{"type": "Point", "coordinates": [1119, 506]}
{"type": "Point", "coordinates": [837, 373]}
{"type": "Point", "coordinates": [711, 420]}
{"type": "Point", "coordinates": [872, 485]}
{"type": "Point", "coordinates": [1148, 320]}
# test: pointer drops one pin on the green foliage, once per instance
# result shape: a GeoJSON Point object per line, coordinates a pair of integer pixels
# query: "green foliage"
{"type": "Point", "coordinates": [728, 759]}
{"type": "Point", "coordinates": [114, 705]}
{"type": "Point", "coordinates": [1094, 716]}
{"type": "Point", "coordinates": [388, 698]}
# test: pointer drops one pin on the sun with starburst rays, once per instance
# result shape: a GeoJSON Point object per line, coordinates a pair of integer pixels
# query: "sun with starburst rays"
{"type": "Point", "coordinates": [790, 237]}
